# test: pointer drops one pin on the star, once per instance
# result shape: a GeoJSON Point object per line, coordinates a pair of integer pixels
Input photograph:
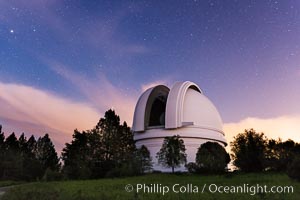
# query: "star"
{"type": "Point", "coordinates": [11, 31]}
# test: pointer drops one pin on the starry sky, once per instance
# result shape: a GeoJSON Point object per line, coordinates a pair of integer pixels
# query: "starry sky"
{"type": "Point", "coordinates": [64, 63]}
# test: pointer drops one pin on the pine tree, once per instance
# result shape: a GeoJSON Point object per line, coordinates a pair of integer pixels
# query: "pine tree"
{"type": "Point", "coordinates": [12, 162]}
{"type": "Point", "coordinates": [93, 153]}
{"type": "Point", "coordinates": [46, 154]}
{"type": "Point", "coordinates": [116, 141]}
{"type": "Point", "coordinates": [2, 151]}
{"type": "Point", "coordinates": [76, 156]}
{"type": "Point", "coordinates": [33, 169]}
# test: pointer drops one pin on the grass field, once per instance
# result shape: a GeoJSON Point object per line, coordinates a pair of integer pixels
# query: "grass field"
{"type": "Point", "coordinates": [9, 183]}
{"type": "Point", "coordinates": [115, 188]}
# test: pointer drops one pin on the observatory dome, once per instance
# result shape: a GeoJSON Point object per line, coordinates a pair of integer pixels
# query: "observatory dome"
{"type": "Point", "coordinates": [182, 110]}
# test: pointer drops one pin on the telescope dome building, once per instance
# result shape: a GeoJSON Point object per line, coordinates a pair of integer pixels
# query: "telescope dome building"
{"type": "Point", "coordinates": [182, 110]}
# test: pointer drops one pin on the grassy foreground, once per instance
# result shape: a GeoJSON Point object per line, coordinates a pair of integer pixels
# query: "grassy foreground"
{"type": "Point", "coordinates": [9, 183]}
{"type": "Point", "coordinates": [115, 188]}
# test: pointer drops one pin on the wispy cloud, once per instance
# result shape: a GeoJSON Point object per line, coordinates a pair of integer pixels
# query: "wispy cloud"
{"type": "Point", "coordinates": [104, 36]}
{"type": "Point", "coordinates": [32, 110]}
{"type": "Point", "coordinates": [36, 111]}
{"type": "Point", "coordinates": [100, 92]}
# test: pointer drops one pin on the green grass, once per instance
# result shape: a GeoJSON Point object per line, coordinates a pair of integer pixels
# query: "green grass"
{"type": "Point", "coordinates": [115, 188]}
{"type": "Point", "coordinates": [9, 183]}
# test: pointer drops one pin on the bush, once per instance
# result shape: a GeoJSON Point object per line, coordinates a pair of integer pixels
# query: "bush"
{"type": "Point", "coordinates": [123, 170]}
{"type": "Point", "coordinates": [192, 167]}
{"type": "Point", "coordinates": [156, 172]}
{"type": "Point", "coordinates": [212, 158]}
{"type": "Point", "coordinates": [293, 169]}
{"type": "Point", "coordinates": [51, 175]}
{"type": "Point", "coordinates": [128, 169]}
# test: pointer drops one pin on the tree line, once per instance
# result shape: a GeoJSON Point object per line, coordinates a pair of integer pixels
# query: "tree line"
{"type": "Point", "coordinates": [254, 152]}
{"type": "Point", "coordinates": [108, 150]}
{"type": "Point", "coordinates": [26, 159]}
{"type": "Point", "coordinates": [250, 152]}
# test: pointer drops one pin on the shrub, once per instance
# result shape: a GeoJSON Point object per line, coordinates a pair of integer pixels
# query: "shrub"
{"type": "Point", "coordinates": [123, 170]}
{"type": "Point", "coordinates": [192, 167]}
{"type": "Point", "coordinates": [212, 158]}
{"type": "Point", "coordinates": [51, 175]}
{"type": "Point", "coordinates": [293, 169]}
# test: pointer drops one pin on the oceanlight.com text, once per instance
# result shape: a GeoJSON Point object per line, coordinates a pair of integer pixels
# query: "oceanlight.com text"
{"type": "Point", "coordinates": [157, 188]}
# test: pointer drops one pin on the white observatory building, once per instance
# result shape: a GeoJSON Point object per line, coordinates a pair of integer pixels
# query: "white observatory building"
{"type": "Point", "coordinates": [182, 110]}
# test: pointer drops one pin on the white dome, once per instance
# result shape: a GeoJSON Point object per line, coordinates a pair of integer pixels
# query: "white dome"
{"type": "Point", "coordinates": [182, 110]}
{"type": "Point", "coordinates": [198, 109]}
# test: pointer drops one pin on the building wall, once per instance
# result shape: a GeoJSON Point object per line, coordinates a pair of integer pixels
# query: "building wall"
{"type": "Point", "coordinates": [153, 140]}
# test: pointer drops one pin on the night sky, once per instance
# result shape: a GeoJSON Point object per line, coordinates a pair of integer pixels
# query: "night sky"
{"type": "Point", "coordinates": [64, 63]}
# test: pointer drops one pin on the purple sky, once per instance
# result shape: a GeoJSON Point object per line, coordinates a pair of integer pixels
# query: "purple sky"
{"type": "Point", "coordinates": [64, 63]}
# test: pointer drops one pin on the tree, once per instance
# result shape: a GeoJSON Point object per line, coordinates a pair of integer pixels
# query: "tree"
{"type": "Point", "coordinates": [31, 146]}
{"type": "Point", "coordinates": [116, 142]}
{"type": "Point", "coordinates": [2, 138]}
{"type": "Point", "coordinates": [23, 159]}
{"type": "Point", "coordinates": [144, 160]}
{"type": "Point", "coordinates": [76, 156]}
{"type": "Point", "coordinates": [293, 169]}
{"type": "Point", "coordinates": [248, 151]}
{"type": "Point", "coordinates": [11, 143]}
{"type": "Point", "coordinates": [172, 153]}
{"type": "Point", "coordinates": [212, 157]}
{"type": "Point", "coordinates": [280, 154]}
{"type": "Point", "coordinates": [116, 139]}
{"type": "Point", "coordinates": [2, 151]}
{"type": "Point", "coordinates": [94, 153]}
{"type": "Point", "coordinates": [23, 156]}
{"type": "Point", "coordinates": [32, 168]}
{"type": "Point", "coordinates": [46, 154]}
{"type": "Point", "coordinates": [12, 162]}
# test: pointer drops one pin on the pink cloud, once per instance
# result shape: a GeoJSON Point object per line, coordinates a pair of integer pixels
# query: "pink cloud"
{"type": "Point", "coordinates": [28, 109]}
{"type": "Point", "coordinates": [284, 127]}
{"type": "Point", "coordinates": [100, 92]}
{"type": "Point", "coordinates": [35, 111]}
